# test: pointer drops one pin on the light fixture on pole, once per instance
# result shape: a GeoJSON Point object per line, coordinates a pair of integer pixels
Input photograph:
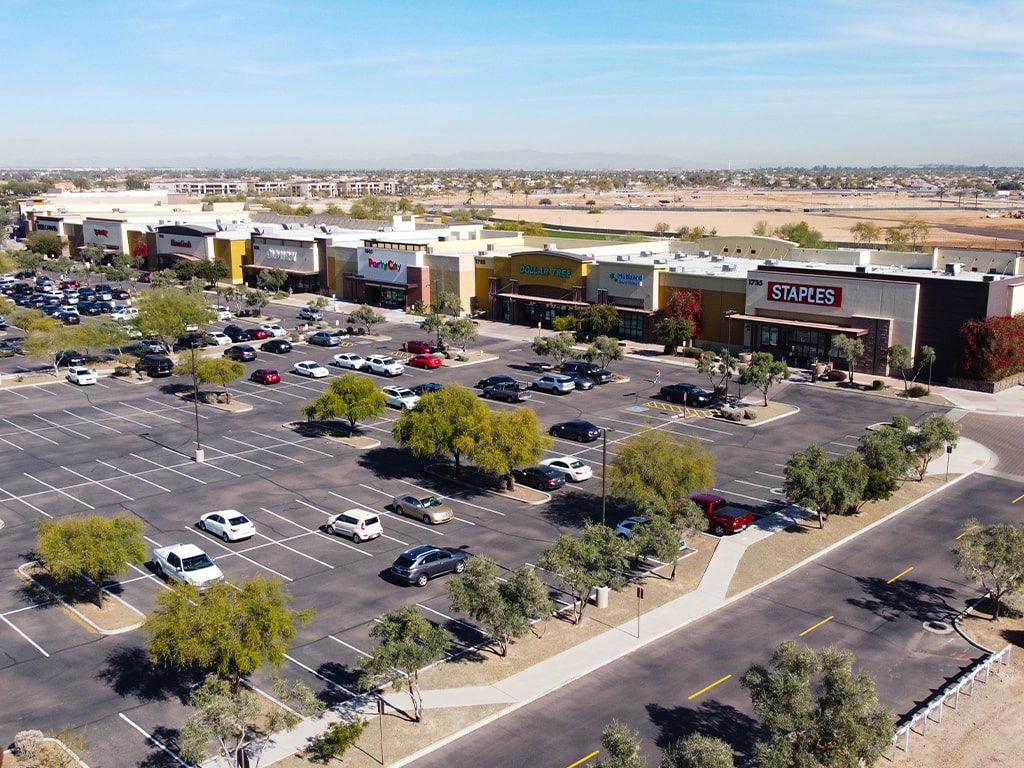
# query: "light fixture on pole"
{"type": "Point", "coordinates": [604, 473]}
{"type": "Point", "coordinates": [728, 328]}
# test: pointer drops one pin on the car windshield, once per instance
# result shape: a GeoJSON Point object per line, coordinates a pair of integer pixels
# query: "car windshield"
{"type": "Point", "coordinates": [430, 501]}
{"type": "Point", "coordinates": [240, 520]}
{"type": "Point", "coordinates": [196, 562]}
{"type": "Point", "coordinates": [575, 464]}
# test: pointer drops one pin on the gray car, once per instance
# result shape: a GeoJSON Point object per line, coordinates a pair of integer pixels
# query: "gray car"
{"type": "Point", "coordinates": [420, 564]}
{"type": "Point", "coordinates": [558, 383]}
{"type": "Point", "coordinates": [430, 509]}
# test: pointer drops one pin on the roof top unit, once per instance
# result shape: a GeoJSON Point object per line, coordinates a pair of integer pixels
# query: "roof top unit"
{"type": "Point", "coordinates": [703, 254]}
{"type": "Point", "coordinates": [622, 257]}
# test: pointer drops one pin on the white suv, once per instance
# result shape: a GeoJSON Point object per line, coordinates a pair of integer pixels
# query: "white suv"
{"type": "Point", "coordinates": [385, 364]}
{"type": "Point", "coordinates": [400, 397]}
{"type": "Point", "coordinates": [358, 524]}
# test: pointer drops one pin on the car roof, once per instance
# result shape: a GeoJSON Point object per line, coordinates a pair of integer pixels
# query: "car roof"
{"type": "Point", "coordinates": [423, 549]}
{"type": "Point", "coordinates": [183, 550]}
{"type": "Point", "coordinates": [360, 513]}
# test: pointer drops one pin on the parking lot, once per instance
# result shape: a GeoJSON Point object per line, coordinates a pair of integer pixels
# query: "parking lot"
{"type": "Point", "coordinates": [129, 447]}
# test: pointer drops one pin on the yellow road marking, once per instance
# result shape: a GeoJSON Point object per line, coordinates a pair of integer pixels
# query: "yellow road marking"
{"type": "Point", "coordinates": [1017, 499]}
{"type": "Point", "coordinates": [708, 688]}
{"type": "Point", "coordinates": [811, 629]}
{"type": "Point", "coordinates": [898, 575]}
{"type": "Point", "coordinates": [962, 535]}
{"type": "Point", "coordinates": [579, 762]}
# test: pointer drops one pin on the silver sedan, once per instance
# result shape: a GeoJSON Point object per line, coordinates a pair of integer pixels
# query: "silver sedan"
{"type": "Point", "coordinates": [430, 509]}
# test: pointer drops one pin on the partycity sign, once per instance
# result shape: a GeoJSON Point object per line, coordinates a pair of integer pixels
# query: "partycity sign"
{"type": "Point", "coordinates": [386, 264]}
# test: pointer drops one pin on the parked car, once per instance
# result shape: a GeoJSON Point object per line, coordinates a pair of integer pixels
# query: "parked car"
{"type": "Point", "coordinates": [402, 398]}
{"type": "Point", "coordinates": [627, 528]}
{"type": "Point", "coordinates": [581, 381]}
{"type": "Point", "coordinates": [274, 329]}
{"type": "Point", "coordinates": [187, 564]}
{"type": "Point", "coordinates": [574, 470]}
{"type": "Point", "coordinates": [420, 348]}
{"type": "Point", "coordinates": [223, 313]}
{"type": "Point", "coordinates": [257, 334]}
{"type": "Point", "coordinates": [68, 317]}
{"type": "Point", "coordinates": [265, 376]}
{"type": "Point", "coordinates": [310, 368]}
{"type": "Point", "coordinates": [577, 429]}
{"type": "Point", "coordinates": [687, 394]}
{"type": "Point", "coordinates": [490, 381]}
{"type": "Point", "coordinates": [145, 277]}
{"type": "Point", "coordinates": [236, 333]}
{"type": "Point", "coordinates": [191, 340]}
{"type": "Point", "coordinates": [421, 564]}
{"type": "Point", "coordinates": [152, 347]}
{"type": "Point", "coordinates": [425, 388]}
{"type": "Point", "coordinates": [722, 518]}
{"type": "Point", "coordinates": [350, 360]}
{"type": "Point", "coordinates": [430, 509]}
{"type": "Point", "coordinates": [81, 376]}
{"type": "Point", "coordinates": [120, 294]}
{"type": "Point", "coordinates": [309, 313]}
{"type": "Point", "coordinates": [544, 478]}
{"type": "Point", "coordinates": [243, 353]}
{"type": "Point", "coordinates": [68, 357]}
{"type": "Point", "coordinates": [124, 314]}
{"type": "Point", "coordinates": [229, 524]}
{"type": "Point", "coordinates": [277, 346]}
{"type": "Point", "coordinates": [425, 361]}
{"type": "Point", "coordinates": [385, 365]}
{"type": "Point", "coordinates": [325, 339]}
{"type": "Point", "coordinates": [218, 339]}
{"type": "Point", "coordinates": [556, 383]}
{"type": "Point", "coordinates": [357, 524]}
{"type": "Point", "coordinates": [590, 370]}
{"type": "Point", "coordinates": [509, 391]}
{"type": "Point", "coordinates": [154, 365]}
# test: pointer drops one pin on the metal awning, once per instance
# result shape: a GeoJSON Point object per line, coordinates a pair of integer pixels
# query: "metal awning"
{"type": "Point", "coordinates": [799, 324]}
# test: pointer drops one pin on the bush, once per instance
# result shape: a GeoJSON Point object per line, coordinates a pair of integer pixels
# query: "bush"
{"type": "Point", "coordinates": [593, 210]}
{"type": "Point", "coordinates": [916, 391]}
{"type": "Point", "coordinates": [878, 385]}
{"type": "Point", "coordinates": [694, 352]}
{"type": "Point", "coordinates": [749, 414]}
{"type": "Point", "coordinates": [335, 740]}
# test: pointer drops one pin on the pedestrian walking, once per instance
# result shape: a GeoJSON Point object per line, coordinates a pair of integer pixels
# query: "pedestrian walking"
{"type": "Point", "coordinates": [657, 376]}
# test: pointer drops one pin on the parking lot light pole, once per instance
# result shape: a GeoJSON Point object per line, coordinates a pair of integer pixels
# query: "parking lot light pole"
{"type": "Point", "coordinates": [728, 327]}
{"type": "Point", "coordinates": [200, 453]}
{"type": "Point", "coordinates": [604, 473]}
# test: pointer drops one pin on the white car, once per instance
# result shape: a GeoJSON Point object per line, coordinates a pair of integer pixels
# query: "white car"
{"type": "Point", "coordinates": [400, 397]}
{"type": "Point", "coordinates": [80, 375]}
{"type": "Point", "coordinates": [124, 313]}
{"type": "Point", "coordinates": [385, 364]}
{"type": "Point", "coordinates": [358, 524]}
{"type": "Point", "coordinates": [223, 313]}
{"type": "Point", "coordinates": [219, 339]}
{"type": "Point", "coordinates": [310, 368]}
{"type": "Point", "coordinates": [557, 383]}
{"type": "Point", "coordinates": [274, 330]}
{"type": "Point", "coordinates": [229, 524]}
{"type": "Point", "coordinates": [575, 471]}
{"type": "Point", "coordinates": [187, 564]}
{"type": "Point", "coordinates": [351, 360]}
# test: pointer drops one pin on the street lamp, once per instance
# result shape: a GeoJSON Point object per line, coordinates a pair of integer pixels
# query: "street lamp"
{"type": "Point", "coordinates": [728, 327]}
{"type": "Point", "coordinates": [200, 453]}
{"type": "Point", "coordinates": [604, 473]}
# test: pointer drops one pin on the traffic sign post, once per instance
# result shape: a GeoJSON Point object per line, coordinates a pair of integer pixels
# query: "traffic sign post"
{"type": "Point", "coordinates": [639, 599]}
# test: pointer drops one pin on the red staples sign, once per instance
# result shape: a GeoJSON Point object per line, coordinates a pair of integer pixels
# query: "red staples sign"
{"type": "Point", "coordinates": [819, 295]}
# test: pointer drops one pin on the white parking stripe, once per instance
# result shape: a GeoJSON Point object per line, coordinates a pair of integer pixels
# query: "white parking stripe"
{"type": "Point", "coordinates": [334, 539]}
{"type": "Point", "coordinates": [12, 497]}
{"type": "Point", "coordinates": [113, 415]}
{"type": "Point", "coordinates": [733, 494]}
{"type": "Point", "coordinates": [95, 482]}
{"type": "Point", "coordinates": [91, 422]}
{"type": "Point", "coordinates": [296, 443]}
{"type": "Point", "coordinates": [255, 448]}
{"type": "Point", "coordinates": [281, 543]}
{"type": "Point", "coordinates": [451, 618]}
{"type": "Point", "coordinates": [167, 467]}
{"type": "Point", "coordinates": [342, 642]}
{"type": "Point", "coordinates": [28, 639]}
{"type": "Point", "coordinates": [13, 445]}
{"type": "Point", "coordinates": [211, 465]}
{"type": "Point", "coordinates": [54, 424]}
{"type": "Point", "coordinates": [317, 675]}
{"type": "Point", "coordinates": [133, 475]}
{"type": "Point", "coordinates": [61, 491]}
{"type": "Point", "coordinates": [228, 552]}
{"type": "Point", "coordinates": [30, 432]}
{"type": "Point", "coordinates": [152, 738]}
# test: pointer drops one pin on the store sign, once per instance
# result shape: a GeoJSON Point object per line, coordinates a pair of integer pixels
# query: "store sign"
{"type": "Point", "coordinates": [627, 278]}
{"type": "Point", "coordinates": [282, 254]}
{"type": "Point", "coordinates": [528, 269]}
{"type": "Point", "coordinates": [387, 265]}
{"type": "Point", "coordinates": [818, 295]}
{"type": "Point", "coordinates": [181, 244]}
{"type": "Point", "coordinates": [47, 227]}
{"type": "Point", "coordinates": [100, 233]}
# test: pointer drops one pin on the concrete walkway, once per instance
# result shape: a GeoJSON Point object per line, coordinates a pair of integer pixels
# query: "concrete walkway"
{"type": "Point", "coordinates": [524, 687]}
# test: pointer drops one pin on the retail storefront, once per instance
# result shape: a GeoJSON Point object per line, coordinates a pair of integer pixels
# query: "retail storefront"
{"type": "Point", "coordinates": [534, 287]}
{"type": "Point", "coordinates": [392, 275]}
{"type": "Point", "coordinates": [301, 258]}
{"type": "Point", "coordinates": [177, 242]}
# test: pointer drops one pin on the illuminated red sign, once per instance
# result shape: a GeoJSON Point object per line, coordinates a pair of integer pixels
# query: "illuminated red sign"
{"type": "Point", "coordinates": [819, 295]}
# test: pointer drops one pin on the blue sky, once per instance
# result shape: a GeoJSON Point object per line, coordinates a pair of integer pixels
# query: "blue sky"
{"type": "Point", "coordinates": [708, 84]}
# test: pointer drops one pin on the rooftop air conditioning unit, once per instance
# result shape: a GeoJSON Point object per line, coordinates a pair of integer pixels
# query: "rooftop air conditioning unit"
{"type": "Point", "coordinates": [675, 269]}
{"type": "Point", "coordinates": [660, 261]}
{"type": "Point", "coordinates": [677, 255]}
{"type": "Point", "coordinates": [953, 268]}
{"type": "Point", "coordinates": [718, 258]}
{"type": "Point", "coordinates": [769, 262]}
{"type": "Point", "coordinates": [860, 268]}
{"type": "Point", "coordinates": [728, 267]}
{"type": "Point", "coordinates": [988, 278]}
{"type": "Point", "coordinates": [703, 254]}
{"type": "Point", "coordinates": [622, 257]}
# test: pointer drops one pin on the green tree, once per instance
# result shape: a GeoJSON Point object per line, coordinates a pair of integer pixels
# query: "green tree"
{"type": "Point", "coordinates": [204, 370]}
{"type": "Point", "coordinates": [505, 440]}
{"type": "Point", "coordinates": [762, 229]}
{"type": "Point", "coordinates": [698, 751]}
{"type": "Point", "coordinates": [674, 332]}
{"type": "Point", "coordinates": [231, 630]}
{"type": "Point", "coordinates": [457, 331]}
{"type": "Point", "coordinates": [823, 485]}
{"type": "Point", "coordinates": [622, 746]}
{"type": "Point", "coordinates": [503, 607]}
{"type": "Point", "coordinates": [445, 422]}
{"type": "Point", "coordinates": [408, 643]}
{"type": "Point", "coordinates": [210, 271]}
{"type": "Point", "coordinates": [897, 357]}
{"type": "Point", "coordinates": [272, 280]}
{"type": "Point", "coordinates": [365, 316]}
{"type": "Point", "coordinates": [719, 370]}
{"type": "Point", "coordinates": [802, 234]}
{"type": "Point", "coordinates": [895, 239]}
{"type": "Point", "coordinates": [851, 348]}
{"type": "Point", "coordinates": [350, 397]}
{"type": "Point", "coordinates": [865, 232]}
{"type": "Point", "coordinates": [95, 548]}
{"type": "Point", "coordinates": [371, 208]}
{"type": "Point", "coordinates": [916, 230]}
{"type": "Point", "coordinates": [992, 555]}
{"type": "Point", "coordinates": [599, 318]}
{"type": "Point", "coordinates": [884, 448]}
{"type": "Point", "coordinates": [29, 260]}
{"type": "Point", "coordinates": [257, 299]}
{"type": "Point", "coordinates": [597, 559]}
{"type": "Point", "coordinates": [563, 323]}
{"type": "Point", "coordinates": [44, 243]}
{"type": "Point", "coordinates": [604, 349]}
{"type": "Point", "coordinates": [336, 740]}
{"type": "Point", "coordinates": [164, 312]}
{"type": "Point", "coordinates": [559, 347]}
{"type": "Point", "coordinates": [818, 711]}
{"type": "Point", "coordinates": [658, 538]}
{"type": "Point", "coordinates": [925, 356]}
{"type": "Point", "coordinates": [763, 372]}
{"type": "Point", "coordinates": [928, 440]}
{"type": "Point", "coordinates": [44, 338]}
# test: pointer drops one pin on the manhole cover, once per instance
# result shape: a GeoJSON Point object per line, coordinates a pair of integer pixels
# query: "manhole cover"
{"type": "Point", "coordinates": [938, 627]}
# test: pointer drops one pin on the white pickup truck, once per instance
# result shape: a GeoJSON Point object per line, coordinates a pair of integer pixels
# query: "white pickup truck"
{"type": "Point", "coordinates": [187, 564]}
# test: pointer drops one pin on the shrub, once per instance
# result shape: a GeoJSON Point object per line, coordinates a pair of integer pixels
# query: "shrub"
{"type": "Point", "coordinates": [594, 210]}
{"type": "Point", "coordinates": [992, 348]}
{"type": "Point", "coordinates": [916, 391]}
{"type": "Point", "coordinates": [335, 741]}
{"type": "Point", "coordinates": [694, 352]}
{"type": "Point", "coordinates": [878, 385]}
{"type": "Point", "coordinates": [749, 414]}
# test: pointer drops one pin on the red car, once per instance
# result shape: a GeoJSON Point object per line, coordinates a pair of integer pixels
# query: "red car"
{"type": "Point", "coordinates": [265, 376]}
{"type": "Point", "coordinates": [145, 277]}
{"type": "Point", "coordinates": [420, 348]}
{"type": "Point", "coordinates": [425, 361]}
{"type": "Point", "coordinates": [258, 333]}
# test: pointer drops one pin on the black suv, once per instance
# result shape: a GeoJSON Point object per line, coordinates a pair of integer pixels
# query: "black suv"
{"type": "Point", "coordinates": [590, 370]}
{"type": "Point", "coordinates": [542, 478]}
{"type": "Point", "coordinates": [577, 429]}
{"type": "Point", "coordinates": [687, 394]}
{"type": "Point", "coordinates": [155, 365]}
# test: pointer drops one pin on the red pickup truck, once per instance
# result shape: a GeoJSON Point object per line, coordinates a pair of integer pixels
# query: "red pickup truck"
{"type": "Point", "coordinates": [721, 519]}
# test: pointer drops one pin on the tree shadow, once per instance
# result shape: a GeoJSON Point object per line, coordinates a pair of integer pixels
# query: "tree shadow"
{"type": "Point", "coordinates": [711, 718]}
{"type": "Point", "coordinates": [391, 463]}
{"type": "Point", "coordinates": [159, 758]}
{"type": "Point", "coordinates": [915, 599]}
{"type": "Point", "coordinates": [345, 679]}
{"type": "Point", "coordinates": [129, 671]}
{"type": "Point", "coordinates": [570, 509]}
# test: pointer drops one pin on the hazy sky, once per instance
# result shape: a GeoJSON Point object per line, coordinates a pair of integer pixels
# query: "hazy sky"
{"type": "Point", "coordinates": [707, 83]}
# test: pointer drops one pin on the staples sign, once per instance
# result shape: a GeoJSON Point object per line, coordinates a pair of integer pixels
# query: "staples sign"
{"type": "Point", "coordinates": [819, 295]}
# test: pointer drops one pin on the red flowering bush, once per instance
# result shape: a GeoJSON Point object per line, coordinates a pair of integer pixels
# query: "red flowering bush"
{"type": "Point", "coordinates": [992, 348]}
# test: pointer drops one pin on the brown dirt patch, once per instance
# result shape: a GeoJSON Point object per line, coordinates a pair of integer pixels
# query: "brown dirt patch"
{"type": "Point", "coordinates": [114, 616]}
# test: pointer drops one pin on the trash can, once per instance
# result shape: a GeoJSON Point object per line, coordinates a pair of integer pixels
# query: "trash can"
{"type": "Point", "coordinates": [601, 597]}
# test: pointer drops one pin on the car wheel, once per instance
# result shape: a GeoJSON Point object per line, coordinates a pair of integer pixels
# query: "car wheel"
{"type": "Point", "coordinates": [487, 395]}
{"type": "Point", "coordinates": [225, 536]}
{"type": "Point", "coordinates": [422, 579]}
{"type": "Point", "coordinates": [568, 478]}
{"type": "Point", "coordinates": [330, 529]}
{"type": "Point", "coordinates": [355, 538]}
{"type": "Point", "coordinates": [579, 438]}
{"type": "Point", "coordinates": [718, 529]}
{"type": "Point", "coordinates": [400, 510]}
{"type": "Point", "coordinates": [426, 519]}
{"type": "Point", "coordinates": [460, 566]}
{"type": "Point", "coordinates": [202, 525]}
